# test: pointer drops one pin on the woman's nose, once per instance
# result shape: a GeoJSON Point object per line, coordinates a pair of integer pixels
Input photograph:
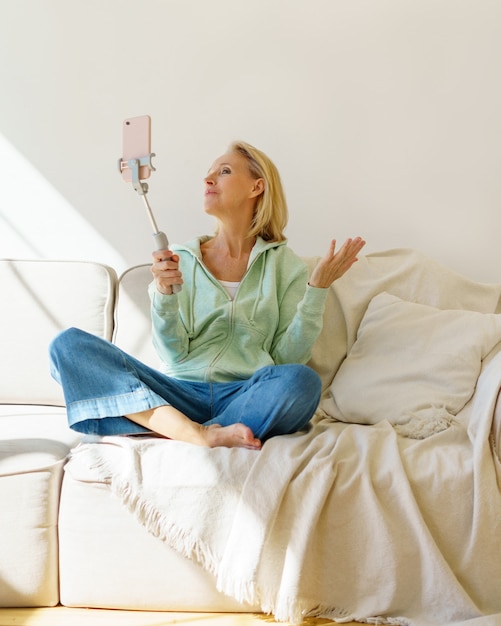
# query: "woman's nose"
{"type": "Point", "coordinates": [210, 178]}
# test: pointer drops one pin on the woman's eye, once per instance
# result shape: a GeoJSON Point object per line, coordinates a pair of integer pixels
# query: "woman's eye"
{"type": "Point", "coordinates": [225, 170]}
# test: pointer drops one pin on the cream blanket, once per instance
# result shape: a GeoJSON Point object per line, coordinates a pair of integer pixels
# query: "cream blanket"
{"type": "Point", "coordinates": [344, 521]}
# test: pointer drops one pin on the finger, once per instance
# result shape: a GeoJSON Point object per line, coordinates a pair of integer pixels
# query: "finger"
{"type": "Point", "coordinates": [170, 256]}
{"type": "Point", "coordinates": [170, 262]}
{"type": "Point", "coordinates": [162, 255]}
{"type": "Point", "coordinates": [332, 249]}
{"type": "Point", "coordinates": [162, 266]}
{"type": "Point", "coordinates": [360, 244]}
{"type": "Point", "coordinates": [355, 245]}
{"type": "Point", "coordinates": [346, 247]}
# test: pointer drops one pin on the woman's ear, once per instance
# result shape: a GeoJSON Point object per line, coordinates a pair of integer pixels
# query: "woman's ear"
{"type": "Point", "coordinates": [257, 188]}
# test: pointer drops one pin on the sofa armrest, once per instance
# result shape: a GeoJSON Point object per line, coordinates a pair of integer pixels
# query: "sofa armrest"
{"type": "Point", "coordinates": [491, 367]}
{"type": "Point", "coordinates": [496, 428]}
{"type": "Point", "coordinates": [496, 418]}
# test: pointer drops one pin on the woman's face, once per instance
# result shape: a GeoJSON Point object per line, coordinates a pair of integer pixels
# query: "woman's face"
{"type": "Point", "coordinates": [230, 188]}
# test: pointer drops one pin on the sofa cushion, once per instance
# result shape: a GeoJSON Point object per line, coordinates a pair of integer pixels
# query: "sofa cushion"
{"type": "Point", "coordinates": [39, 299]}
{"type": "Point", "coordinates": [34, 444]}
{"type": "Point", "coordinates": [94, 547]}
{"type": "Point", "coordinates": [410, 359]}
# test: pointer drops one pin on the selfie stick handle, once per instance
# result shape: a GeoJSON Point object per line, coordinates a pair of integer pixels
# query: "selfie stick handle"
{"type": "Point", "coordinates": [161, 241]}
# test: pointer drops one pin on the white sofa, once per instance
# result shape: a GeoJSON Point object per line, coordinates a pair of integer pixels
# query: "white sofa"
{"type": "Point", "coordinates": [66, 536]}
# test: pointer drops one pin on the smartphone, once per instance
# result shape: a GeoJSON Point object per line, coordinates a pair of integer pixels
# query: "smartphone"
{"type": "Point", "coordinates": [136, 135]}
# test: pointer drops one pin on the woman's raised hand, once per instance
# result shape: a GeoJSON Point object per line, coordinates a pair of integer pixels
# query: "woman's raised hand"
{"type": "Point", "coordinates": [165, 270]}
{"type": "Point", "coordinates": [334, 264]}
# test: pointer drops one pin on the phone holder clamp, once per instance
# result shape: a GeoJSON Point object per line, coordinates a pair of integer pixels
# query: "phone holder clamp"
{"type": "Point", "coordinates": [161, 241]}
{"type": "Point", "coordinates": [134, 165]}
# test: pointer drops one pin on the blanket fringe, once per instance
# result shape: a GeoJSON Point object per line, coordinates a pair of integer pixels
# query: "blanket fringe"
{"type": "Point", "coordinates": [425, 423]}
{"type": "Point", "coordinates": [83, 453]}
{"type": "Point", "coordinates": [160, 526]}
{"type": "Point", "coordinates": [243, 591]}
{"type": "Point", "coordinates": [294, 611]}
{"type": "Point", "coordinates": [156, 523]}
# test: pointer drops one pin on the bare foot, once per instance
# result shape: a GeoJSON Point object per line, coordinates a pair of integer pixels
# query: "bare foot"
{"type": "Point", "coordinates": [168, 422]}
{"type": "Point", "coordinates": [233, 436]}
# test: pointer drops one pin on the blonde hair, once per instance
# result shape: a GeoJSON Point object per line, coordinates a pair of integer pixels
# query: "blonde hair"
{"type": "Point", "coordinates": [271, 213]}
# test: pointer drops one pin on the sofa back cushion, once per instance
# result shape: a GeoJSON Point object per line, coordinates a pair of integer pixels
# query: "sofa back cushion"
{"type": "Point", "coordinates": [132, 318]}
{"type": "Point", "coordinates": [40, 299]}
{"type": "Point", "coordinates": [405, 273]}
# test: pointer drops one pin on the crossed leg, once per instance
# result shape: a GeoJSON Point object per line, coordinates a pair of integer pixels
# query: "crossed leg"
{"type": "Point", "coordinates": [173, 424]}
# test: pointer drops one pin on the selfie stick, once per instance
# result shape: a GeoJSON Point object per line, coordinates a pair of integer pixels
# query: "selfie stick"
{"type": "Point", "coordinates": [161, 241]}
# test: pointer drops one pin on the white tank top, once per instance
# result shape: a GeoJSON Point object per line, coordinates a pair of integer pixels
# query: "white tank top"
{"type": "Point", "coordinates": [230, 287]}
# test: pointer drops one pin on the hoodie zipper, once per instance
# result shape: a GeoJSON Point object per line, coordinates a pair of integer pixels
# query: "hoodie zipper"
{"type": "Point", "coordinates": [229, 338]}
{"type": "Point", "coordinates": [231, 326]}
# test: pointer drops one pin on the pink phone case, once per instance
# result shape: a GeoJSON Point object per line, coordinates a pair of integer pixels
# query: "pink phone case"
{"type": "Point", "coordinates": [136, 144]}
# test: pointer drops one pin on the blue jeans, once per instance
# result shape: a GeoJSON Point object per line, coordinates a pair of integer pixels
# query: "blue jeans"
{"type": "Point", "coordinates": [101, 384]}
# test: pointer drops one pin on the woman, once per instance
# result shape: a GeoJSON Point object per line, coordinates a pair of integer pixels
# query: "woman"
{"type": "Point", "coordinates": [233, 341]}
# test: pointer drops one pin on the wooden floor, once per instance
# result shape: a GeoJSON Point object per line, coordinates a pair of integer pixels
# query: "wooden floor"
{"type": "Point", "coordinates": [62, 616]}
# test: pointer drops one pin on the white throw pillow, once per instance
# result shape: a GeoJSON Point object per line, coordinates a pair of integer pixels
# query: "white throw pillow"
{"type": "Point", "coordinates": [410, 360]}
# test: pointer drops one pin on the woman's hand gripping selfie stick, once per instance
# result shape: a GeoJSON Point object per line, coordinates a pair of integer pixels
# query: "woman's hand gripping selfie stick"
{"type": "Point", "coordinates": [161, 241]}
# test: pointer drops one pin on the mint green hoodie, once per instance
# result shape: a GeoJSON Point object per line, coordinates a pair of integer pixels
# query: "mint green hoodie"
{"type": "Point", "coordinates": [201, 334]}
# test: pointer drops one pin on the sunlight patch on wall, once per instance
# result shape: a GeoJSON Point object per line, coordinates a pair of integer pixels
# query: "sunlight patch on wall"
{"type": "Point", "coordinates": [36, 222]}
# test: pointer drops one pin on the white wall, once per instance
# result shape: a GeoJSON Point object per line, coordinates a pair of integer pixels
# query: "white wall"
{"type": "Point", "coordinates": [384, 117]}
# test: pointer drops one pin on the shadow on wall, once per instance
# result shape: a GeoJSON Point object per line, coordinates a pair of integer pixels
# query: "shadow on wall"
{"type": "Point", "coordinates": [35, 218]}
